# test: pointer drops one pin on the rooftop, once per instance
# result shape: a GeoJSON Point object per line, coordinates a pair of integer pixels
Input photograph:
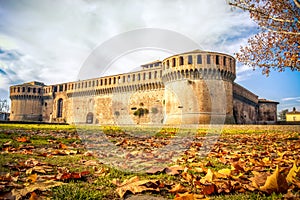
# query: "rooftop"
{"type": "Point", "coordinates": [267, 101]}
{"type": "Point", "coordinates": [294, 111]}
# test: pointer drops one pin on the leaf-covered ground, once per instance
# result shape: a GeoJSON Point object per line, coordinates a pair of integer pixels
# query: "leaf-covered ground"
{"type": "Point", "coordinates": [60, 162]}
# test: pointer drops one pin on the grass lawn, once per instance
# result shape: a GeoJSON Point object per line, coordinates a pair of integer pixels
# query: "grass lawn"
{"type": "Point", "coordinates": [92, 162]}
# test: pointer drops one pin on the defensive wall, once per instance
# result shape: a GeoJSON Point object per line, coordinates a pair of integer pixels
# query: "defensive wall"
{"type": "Point", "coordinates": [188, 88]}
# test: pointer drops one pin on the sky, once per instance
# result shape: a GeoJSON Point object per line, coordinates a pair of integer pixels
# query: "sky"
{"type": "Point", "coordinates": [49, 40]}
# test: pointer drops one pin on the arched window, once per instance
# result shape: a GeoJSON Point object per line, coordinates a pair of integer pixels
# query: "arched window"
{"type": "Point", "coordinates": [173, 62]}
{"type": "Point", "coordinates": [59, 107]}
{"type": "Point", "coordinates": [217, 60]}
{"type": "Point", "coordinates": [199, 59]}
{"type": "Point", "coordinates": [89, 118]}
{"type": "Point", "coordinates": [208, 59]}
{"type": "Point", "coordinates": [190, 59]}
{"type": "Point", "coordinates": [180, 60]}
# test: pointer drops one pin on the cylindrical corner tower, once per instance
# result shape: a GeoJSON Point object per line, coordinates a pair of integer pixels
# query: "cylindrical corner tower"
{"type": "Point", "coordinates": [26, 102]}
{"type": "Point", "coordinates": [198, 87]}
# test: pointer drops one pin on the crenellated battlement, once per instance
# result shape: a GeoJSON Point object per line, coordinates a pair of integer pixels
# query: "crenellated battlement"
{"type": "Point", "coordinates": [27, 90]}
{"type": "Point", "coordinates": [199, 65]}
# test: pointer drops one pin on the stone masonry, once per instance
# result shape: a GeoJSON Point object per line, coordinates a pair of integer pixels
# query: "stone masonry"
{"type": "Point", "coordinates": [195, 87]}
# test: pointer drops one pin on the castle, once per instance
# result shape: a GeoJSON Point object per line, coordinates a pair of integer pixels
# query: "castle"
{"type": "Point", "coordinates": [195, 87]}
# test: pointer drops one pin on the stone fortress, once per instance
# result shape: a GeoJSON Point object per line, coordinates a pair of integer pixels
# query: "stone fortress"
{"type": "Point", "coordinates": [195, 87]}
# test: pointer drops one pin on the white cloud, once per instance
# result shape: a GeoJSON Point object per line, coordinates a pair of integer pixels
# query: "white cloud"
{"type": "Point", "coordinates": [291, 99]}
{"type": "Point", "coordinates": [55, 37]}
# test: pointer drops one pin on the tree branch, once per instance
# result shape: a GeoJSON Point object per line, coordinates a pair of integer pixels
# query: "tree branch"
{"type": "Point", "coordinates": [297, 3]}
{"type": "Point", "coordinates": [247, 7]}
{"type": "Point", "coordinates": [281, 32]}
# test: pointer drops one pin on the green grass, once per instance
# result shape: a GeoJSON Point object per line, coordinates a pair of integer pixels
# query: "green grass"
{"type": "Point", "coordinates": [47, 137]}
{"type": "Point", "coordinates": [248, 196]}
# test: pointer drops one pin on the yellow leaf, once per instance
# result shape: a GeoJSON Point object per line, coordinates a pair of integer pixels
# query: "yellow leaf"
{"type": "Point", "coordinates": [188, 196]}
{"type": "Point", "coordinates": [292, 173]}
{"type": "Point", "coordinates": [226, 172]}
{"type": "Point", "coordinates": [266, 159]}
{"type": "Point", "coordinates": [275, 183]}
{"type": "Point", "coordinates": [32, 178]}
{"type": "Point", "coordinates": [208, 177]}
{"type": "Point", "coordinates": [237, 176]}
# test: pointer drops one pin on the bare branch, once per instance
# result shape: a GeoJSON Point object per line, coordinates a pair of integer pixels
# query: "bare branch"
{"type": "Point", "coordinates": [263, 14]}
{"type": "Point", "coordinates": [297, 3]}
{"type": "Point", "coordinates": [281, 32]}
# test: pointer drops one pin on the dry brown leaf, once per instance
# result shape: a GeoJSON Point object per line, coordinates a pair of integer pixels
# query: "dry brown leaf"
{"type": "Point", "coordinates": [291, 196]}
{"type": "Point", "coordinates": [188, 196]}
{"type": "Point", "coordinates": [209, 189]}
{"type": "Point", "coordinates": [34, 196]}
{"type": "Point", "coordinates": [290, 178]}
{"type": "Point", "coordinates": [32, 178]}
{"type": "Point", "coordinates": [208, 178]}
{"type": "Point", "coordinates": [178, 188]}
{"type": "Point", "coordinates": [259, 179]}
{"type": "Point", "coordinates": [275, 183]}
{"type": "Point", "coordinates": [134, 185]}
{"type": "Point", "coordinates": [62, 146]}
{"type": "Point", "coordinates": [23, 139]}
{"type": "Point", "coordinates": [187, 177]}
{"type": "Point", "coordinates": [42, 186]}
{"type": "Point", "coordinates": [155, 169]}
{"type": "Point", "coordinates": [198, 169]}
{"type": "Point", "coordinates": [174, 170]}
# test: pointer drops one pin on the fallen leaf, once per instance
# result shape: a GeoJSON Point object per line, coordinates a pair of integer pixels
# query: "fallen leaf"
{"type": "Point", "coordinates": [42, 186]}
{"type": "Point", "coordinates": [290, 195]}
{"type": "Point", "coordinates": [226, 172]}
{"type": "Point", "coordinates": [208, 178]}
{"type": "Point", "coordinates": [259, 179]}
{"type": "Point", "coordinates": [155, 169]}
{"type": "Point", "coordinates": [178, 188]}
{"type": "Point", "coordinates": [275, 183]}
{"type": "Point", "coordinates": [188, 196]}
{"type": "Point", "coordinates": [34, 196]}
{"type": "Point", "coordinates": [174, 170]}
{"type": "Point", "coordinates": [23, 139]}
{"type": "Point", "coordinates": [209, 189]}
{"type": "Point", "coordinates": [62, 146]}
{"type": "Point", "coordinates": [32, 178]}
{"type": "Point", "coordinates": [134, 185]}
{"type": "Point", "coordinates": [290, 178]}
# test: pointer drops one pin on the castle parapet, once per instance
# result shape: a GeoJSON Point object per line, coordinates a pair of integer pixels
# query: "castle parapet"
{"type": "Point", "coordinates": [245, 95]}
{"type": "Point", "coordinates": [199, 65]}
{"type": "Point", "coordinates": [27, 100]}
{"type": "Point", "coordinates": [146, 79]}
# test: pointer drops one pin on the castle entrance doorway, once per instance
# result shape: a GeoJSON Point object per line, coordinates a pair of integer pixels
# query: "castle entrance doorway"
{"type": "Point", "coordinates": [89, 118]}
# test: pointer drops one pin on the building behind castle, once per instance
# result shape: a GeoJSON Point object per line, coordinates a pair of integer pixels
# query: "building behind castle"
{"type": "Point", "coordinates": [189, 88]}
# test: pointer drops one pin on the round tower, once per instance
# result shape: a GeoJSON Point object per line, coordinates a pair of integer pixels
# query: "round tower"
{"type": "Point", "coordinates": [198, 87]}
{"type": "Point", "coordinates": [26, 102]}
